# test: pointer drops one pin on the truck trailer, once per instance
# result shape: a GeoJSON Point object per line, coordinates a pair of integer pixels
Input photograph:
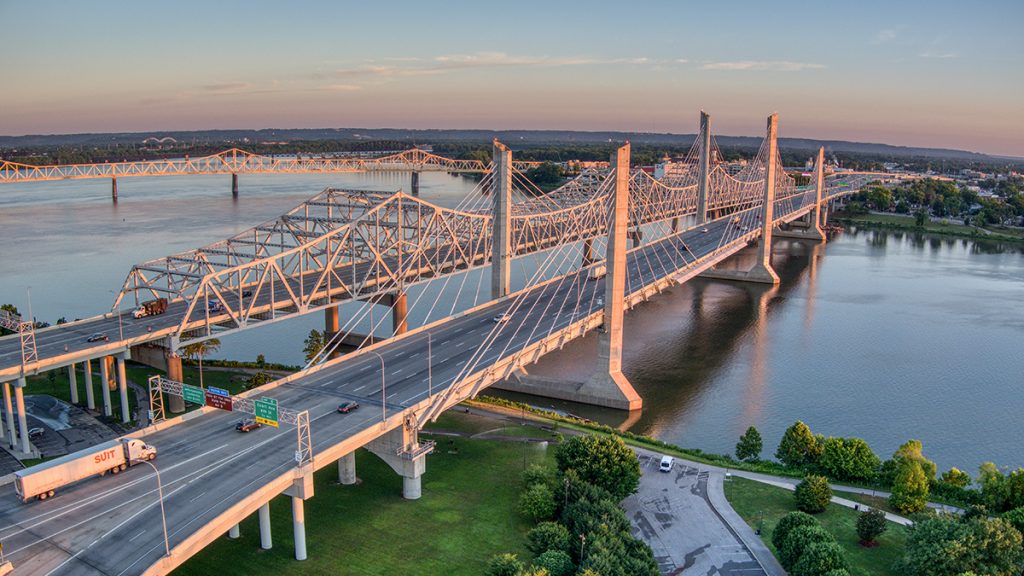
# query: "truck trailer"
{"type": "Point", "coordinates": [151, 308]}
{"type": "Point", "coordinates": [40, 481]}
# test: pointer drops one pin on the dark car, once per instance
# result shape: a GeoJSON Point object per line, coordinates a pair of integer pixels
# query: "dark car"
{"type": "Point", "coordinates": [247, 425]}
{"type": "Point", "coordinates": [246, 293]}
{"type": "Point", "coordinates": [98, 337]}
{"type": "Point", "coordinates": [347, 407]}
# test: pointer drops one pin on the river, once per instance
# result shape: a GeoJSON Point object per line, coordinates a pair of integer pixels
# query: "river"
{"type": "Point", "coordinates": [877, 334]}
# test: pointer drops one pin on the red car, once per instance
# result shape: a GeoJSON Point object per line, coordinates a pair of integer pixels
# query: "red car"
{"type": "Point", "coordinates": [348, 407]}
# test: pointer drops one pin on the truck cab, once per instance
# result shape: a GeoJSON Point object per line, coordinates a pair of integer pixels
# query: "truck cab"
{"type": "Point", "coordinates": [138, 450]}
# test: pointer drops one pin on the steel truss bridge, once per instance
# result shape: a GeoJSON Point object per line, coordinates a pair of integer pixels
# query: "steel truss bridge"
{"type": "Point", "coordinates": [345, 245]}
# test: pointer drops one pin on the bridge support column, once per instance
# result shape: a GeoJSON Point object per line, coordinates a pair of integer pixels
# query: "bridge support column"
{"type": "Point", "coordinates": [122, 385]}
{"type": "Point", "coordinates": [824, 215]}
{"type": "Point", "coordinates": [10, 416]}
{"type": "Point", "coordinates": [106, 364]}
{"type": "Point", "coordinates": [174, 372]}
{"type": "Point", "coordinates": [19, 400]}
{"type": "Point", "coordinates": [809, 227]}
{"type": "Point", "coordinates": [113, 189]}
{"type": "Point", "coordinates": [90, 397]}
{"type": "Point", "coordinates": [415, 185]}
{"type": "Point", "coordinates": [264, 515]}
{"type": "Point", "coordinates": [400, 449]}
{"type": "Point", "coordinates": [234, 532]}
{"type": "Point", "coordinates": [347, 469]}
{"type": "Point", "coordinates": [234, 185]}
{"type": "Point", "coordinates": [73, 383]}
{"type": "Point", "coordinates": [299, 527]}
{"type": "Point", "coordinates": [399, 311]}
{"type": "Point", "coordinates": [331, 326]}
{"type": "Point", "coordinates": [502, 222]}
{"type": "Point", "coordinates": [704, 177]}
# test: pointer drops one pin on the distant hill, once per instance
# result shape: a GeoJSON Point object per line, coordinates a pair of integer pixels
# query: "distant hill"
{"type": "Point", "coordinates": [516, 138]}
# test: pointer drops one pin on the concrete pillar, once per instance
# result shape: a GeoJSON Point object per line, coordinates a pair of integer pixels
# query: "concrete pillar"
{"type": "Point", "coordinates": [400, 449]}
{"type": "Point", "coordinates": [399, 311]}
{"type": "Point", "coordinates": [122, 385]}
{"type": "Point", "coordinates": [105, 369]}
{"type": "Point", "coordinates": [824, 214]}
{"type": "Point", "coordinates": [588, 252]}
{"type": "Point", "coordinates": [265, 540]}
{"type": "Point", "coordinates": [675, 225]}
{"type": "Point", "coordinates": [174, 372]}
{"type": "Point", "coordinates": [299, 525]}
{"type": "Point", "coordinates": [19, 401]}
{"type": "Point", "coordinates": [90, 400]}
{"type": "Point", "coordinates": [762, 271]}
{"type": "Point", "coordinates": [502, 222]}
{"type": "Point", "coordinates": [3, 429]}
{"type": "Point", "coordinates": [331, 326]}
{"type": "Point", "coordinates": [819, 189]}
{"type": "Point", "coordinates": [234, 185]}
{"type": "Point", "coordinates": [608, 380]}
{"type": "Point", "coordinates": [415, 187]}
{"type": "Point", "coordinates": [73, 383]}
{"type": "Point", "coordinates": [10, 416]}
{"type": "Point", "coordinates": [704, 176]}
{"type": "Point", "coordinates": [412, 487]}
{"type": "Point", "coordinates": [113, 189]}
{"type": "Point", "coordinates": [234, 532]}
{"type": "Point", "coordinates": [347, 469]}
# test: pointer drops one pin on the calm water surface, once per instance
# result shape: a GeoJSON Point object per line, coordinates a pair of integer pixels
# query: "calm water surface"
{"type": "Point", "coordinates": [881, 335]}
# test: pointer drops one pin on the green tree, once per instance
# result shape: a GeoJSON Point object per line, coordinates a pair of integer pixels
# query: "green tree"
{"type": "Point", "coordinates": [1015, 489]}
{"type": "Point", "coordinates": [199, 350]}
{"type": "Point", "coordinates": [813, 494]}
{"type": "Point", "coordinates": [920, 217]}
{"type": "Point", "coordinates": [909, 488]}
{"type": "Point", "coordinates": [547, 536]}
{"type": "Point", "coordinates": [504, 565]}
{"type": "Point", "coordinates": [848, 459]}
{"type": "Point", "coordinates": [870, 525]}
{"type": "Point", "coordinates": [948, 546]}
{"type": "Point", "coordinates": [537, 474]}
{"type": "Point", "coordinates": [537, 503]}
{"type": "Point", "coordinates": [258, 379]}
{"type": "Point", "coordinates": [750, 445]}
{"type": "Point", "coordinates": [837, 572]}
{"type": "Point", "coordinates": [798, 446]}
{"type": "Point", "coordinates": [535, 571]}
{"type": "Point", "coordinates": [956, 477]}
{"type": "Point", "coordinates": [912, 450]}
{"type": "Point", "coordinates": [788, 523]}
{"type": "Point", "coordinates": [995, 490]}
{"type": "Point", "coordinates": [1016, 518]}
{"type": "Point", "coordinates": [313, 344]}
{"type": "Point", "coordinates": [798, 540]}
{"type": "Point", "coordinates": [556, 562]}
{"type": "Point", "coordinates": [604, 461]}
{"type": "Point", "coordinates": [819, 559]}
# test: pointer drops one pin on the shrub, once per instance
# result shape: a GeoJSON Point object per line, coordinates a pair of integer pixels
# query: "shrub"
{"type": "Point", "coordinates": [798, 446]}
{"type": "Point", "coordinates": [813, 494]}
{"type": "Point", "coordinates": [504, 565]}
{"type": "Point", "coordinates": [605, 461]}
{"type": "Point", "coordinates": [848, 459]}
{"type": "Point", "coordinates": [788, 523]}
{"type": "Point", "coordinates": [557, 563]}
{"type": "Point", "coordinates": [956, 477]}
{"type": "Point", "coordinates": [1016, 518]}
{"type": "Point", "coordinates": [547, 536]}
{"type": "Point", "coordinates": [837, 572]}
{"type": "Point", "coordinates": [537, 503]}
{"type": "Point", "coordinates": [798, 540]}
{"type": "Point", "coordinates": [537, 474]}
{"type": "Point", "coordinates": [750, 445]}
{"type": "Point", "coordinates": [819, 559]}
{"type": "Point", "coordinates": [870, 525]}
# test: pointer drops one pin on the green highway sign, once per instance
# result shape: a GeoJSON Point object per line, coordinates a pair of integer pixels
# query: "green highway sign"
{"type": "Point", "coordinates": [193, 394]}
{"type": "Point", "coordinates": [265, 410]}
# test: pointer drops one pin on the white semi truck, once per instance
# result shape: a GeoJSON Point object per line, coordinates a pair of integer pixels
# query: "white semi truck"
{"type": "Point", "coordinates": [40, 481]}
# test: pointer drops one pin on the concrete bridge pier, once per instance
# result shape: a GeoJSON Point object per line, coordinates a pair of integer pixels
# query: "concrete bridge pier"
{"type": "Point", "coordinates": [501, 226]}
{"type": "Point", "coordinates": [299, 527]}
{"type": "Point", "coordinates": [106, 368]}
{"type": "Point", "coordinates": [19, 402]}
{"type": "Point", "coordinates": [234, 532]}
{"type": "Point", "coordinates": [73, 383]}
{"type": "Point", "coordinates": [400, 449]}
{"type": "Point", "coordinates": [415, 184]}
{"type": "Point", "coordinates": [331, 327]}
{"type": "Point", "coordinates": [122, 385]}
{"type": "Point", "coordinates": [588, 251]}
{"type": "Point", "coordinates": [90, 399]}
{"type": "Point", "coordinates": [13, 442]}
{"type": "Point", "coordinates": [347, 469]}
{"type": "Point", "coordinates": [113, 189]}
{"type": "Point", "coordinates": [234, 185]}
{"type": "Point", "coordinates": [399, 313]}
{"type": "Point", "coordinates": [266, 542]}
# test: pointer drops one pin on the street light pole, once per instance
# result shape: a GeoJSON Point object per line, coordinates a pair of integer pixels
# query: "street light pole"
{"type": "Point", "coordinates": [163, 515]}
{"type": "Point", "coordinates": [383, 388]}
{"type": "Point", "coordinates": [430, 366]}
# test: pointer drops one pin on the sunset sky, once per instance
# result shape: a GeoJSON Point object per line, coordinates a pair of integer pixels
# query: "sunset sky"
{"type": "Point", "coordinates": [939, 73]}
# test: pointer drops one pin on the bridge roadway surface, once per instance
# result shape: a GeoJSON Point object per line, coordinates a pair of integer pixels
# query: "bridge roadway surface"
{"type": "Point", "coordinates": [111, 525]}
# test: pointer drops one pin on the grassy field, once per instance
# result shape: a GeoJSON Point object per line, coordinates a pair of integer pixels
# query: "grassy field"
{"type": "Point", "coordinates": [904, 222]}
{"type": "Point", "coordinates": [467, 514]}
{"type": "Point", "coordinates": [753, 500]}
{"type": "Point", "coordinates": [55, 383]}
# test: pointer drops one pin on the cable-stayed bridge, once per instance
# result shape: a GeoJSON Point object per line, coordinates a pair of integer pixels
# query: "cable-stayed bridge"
{"type": "Point", "coordinates": [589, 251]}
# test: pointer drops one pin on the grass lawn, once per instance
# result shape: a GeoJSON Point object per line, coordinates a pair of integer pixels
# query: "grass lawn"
{"type": "Point", "coordinates": [466, 515]}
{"type": "Point", "coordinates": [750, 499]}
{"type": "Point", "coordinates": [55, 383]}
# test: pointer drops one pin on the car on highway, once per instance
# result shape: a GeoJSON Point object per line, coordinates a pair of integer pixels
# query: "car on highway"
{"type": "Point", "coordinates": [502, 318]}
{"type": "Point", "coordinates": [36, 432]}
{"type": "Point", "coordinates": [703, 230]}
{"type": "Point", "coordinates": [214, 306]}
{"type": "Point", "coordinates": [247, 425]}
{"type": "Point", "coordinates": [346, 407]}
{"type": "Point", "coordinates": [246, 293]}
{"type": "Point", "coordinates": [97, 337]}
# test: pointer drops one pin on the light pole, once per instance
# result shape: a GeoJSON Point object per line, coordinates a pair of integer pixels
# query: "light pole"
{"type": "Point", "coordinates": [120, 329]}
{"type": "Point", "coordinates": [383, 388]}
{"type": "Point", "coordinates": [430, 366]}
{"type": "Point", "coordinates": [583, 544]}
{"type": "Point", "coordinates": [160, 491]}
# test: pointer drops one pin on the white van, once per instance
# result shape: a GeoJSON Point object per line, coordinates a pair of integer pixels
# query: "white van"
{"type": "Point", "coordinates": [666, 463]}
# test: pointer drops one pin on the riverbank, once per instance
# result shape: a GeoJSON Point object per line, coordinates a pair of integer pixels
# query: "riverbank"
{"type": "Point", "coordinates": [943, 228]}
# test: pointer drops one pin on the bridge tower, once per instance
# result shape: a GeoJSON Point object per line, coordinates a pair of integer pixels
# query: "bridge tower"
{"type": "Point", "coordinates": [704, 176]}
{"type": "Point", "coordinates": [502, 222]}
{"type": "Point", "coordinates": [809, 225]}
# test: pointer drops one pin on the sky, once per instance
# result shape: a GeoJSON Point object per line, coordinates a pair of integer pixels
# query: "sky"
{"type": "Point", "coordinates": [938, 73]}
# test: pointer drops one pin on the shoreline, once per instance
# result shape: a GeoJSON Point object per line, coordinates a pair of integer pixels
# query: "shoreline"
{"type": "Point", "coordinates": [887, 222]}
